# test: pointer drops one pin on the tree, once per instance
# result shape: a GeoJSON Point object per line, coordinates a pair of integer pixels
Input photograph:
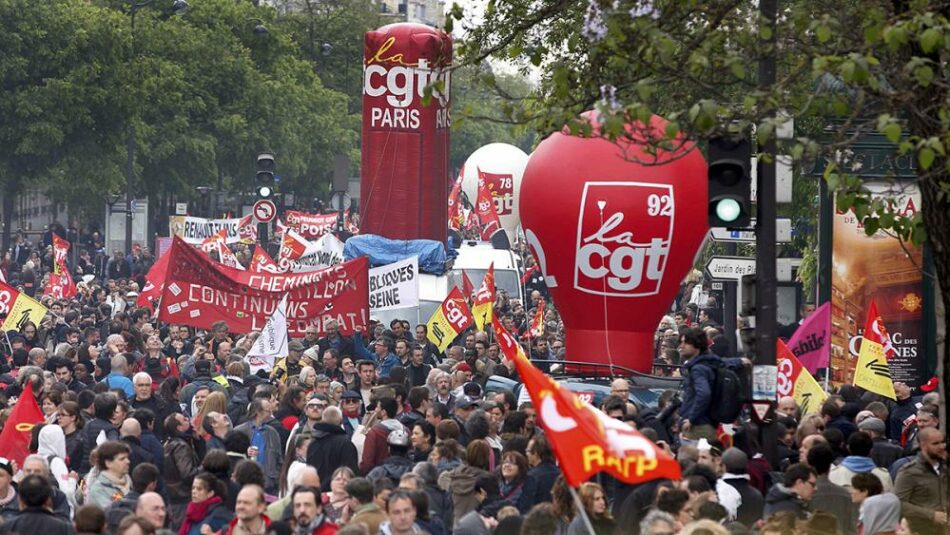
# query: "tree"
{"type": "Point", "coordinates": [851, 68]}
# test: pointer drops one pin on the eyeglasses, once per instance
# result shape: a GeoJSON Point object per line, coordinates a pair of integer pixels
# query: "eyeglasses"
{"type": "Point", "coordinates": [351, 401]}
{"type": "Point", "coordinates": [143, 384]}
{"type": "Point", "coordinates": [317, 406]}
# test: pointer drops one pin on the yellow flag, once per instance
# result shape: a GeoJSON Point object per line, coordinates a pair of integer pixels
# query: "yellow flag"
{"type": "Point", "coordinates": [18, 308]}
{"type": "Point", "coordinates": [485, 299]}
{"type": "Point", "coordinates": [872, 372]}
{"type": "Point", "coordinates": [795, 380]}
{"type": "Point", "coordinates": [450, 319]}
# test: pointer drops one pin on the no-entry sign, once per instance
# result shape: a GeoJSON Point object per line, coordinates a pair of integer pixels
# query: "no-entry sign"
{"type": "Point", "coordinates": [265, 210]}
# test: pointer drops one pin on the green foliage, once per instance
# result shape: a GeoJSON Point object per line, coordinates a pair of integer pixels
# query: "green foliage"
{"type": "Point", "coordinates": [485, 108]}
{"type": "Point", "coordinates": [202, 92]}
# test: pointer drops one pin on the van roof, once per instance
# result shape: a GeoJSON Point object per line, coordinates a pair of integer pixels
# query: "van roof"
{"type": "Point", "coordinates": [480, 255]}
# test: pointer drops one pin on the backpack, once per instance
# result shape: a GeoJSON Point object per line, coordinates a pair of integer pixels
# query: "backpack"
{"type": "Point", "coordinates": [727, 394]}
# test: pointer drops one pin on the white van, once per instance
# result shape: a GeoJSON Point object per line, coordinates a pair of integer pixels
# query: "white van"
{"type": "Point", "coordinates": [474, 259]}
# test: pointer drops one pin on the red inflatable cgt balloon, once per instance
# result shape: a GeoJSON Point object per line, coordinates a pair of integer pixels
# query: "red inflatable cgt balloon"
{"type": "Point", "coordinates": [614, 237]}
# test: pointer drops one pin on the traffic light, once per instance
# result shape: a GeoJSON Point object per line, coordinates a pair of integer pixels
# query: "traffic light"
{"type": "Point", "coordinates": [730, 182]}
{"type": "Point", "coordinates": [265, 175]}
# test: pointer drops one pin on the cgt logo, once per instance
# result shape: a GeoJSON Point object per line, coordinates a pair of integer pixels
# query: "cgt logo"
{"type": "Point", "coordinates": [624, 232]}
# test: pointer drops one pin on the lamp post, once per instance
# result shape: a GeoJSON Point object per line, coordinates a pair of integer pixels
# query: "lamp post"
{"type": "Point", "coordinates": [177, 7]}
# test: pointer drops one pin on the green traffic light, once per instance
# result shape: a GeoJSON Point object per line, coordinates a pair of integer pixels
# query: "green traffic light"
{"type": "Point", "coordinates": [728, 210]}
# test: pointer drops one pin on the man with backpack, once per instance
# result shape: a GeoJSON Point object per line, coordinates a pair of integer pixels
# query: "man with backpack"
{"type": "Point", "coordinates": [712, 390]}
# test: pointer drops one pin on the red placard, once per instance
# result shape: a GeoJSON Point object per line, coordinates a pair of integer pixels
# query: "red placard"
{"type": "Point", "coordinates": [199, 292]}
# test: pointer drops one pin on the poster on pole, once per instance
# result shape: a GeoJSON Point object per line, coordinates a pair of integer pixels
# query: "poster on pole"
{"type": "Point", "coordinates": [394, 285]}
{"type": "Point", "coordinates": [879, 268]}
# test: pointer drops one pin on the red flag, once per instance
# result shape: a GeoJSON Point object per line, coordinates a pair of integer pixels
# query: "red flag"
{"type": "Point", "coordinates": [467, 287]}
{"type": "Point", "coordinates": [60, 282]}
{"type": "Point", "coordinates": [15, 438]}
{"type": "Point", "coordinates": [154, 283]}
{"type": "Point", "coordinates": [261, 262]}
{"type": "Point", "coordinates": [485, 207]}
{"type": "Point", "coordinates": [585, 440]}
{"type": "Point", "coordinates": [456, 217]}
{"type": "Point", "coordinates": [211, 242]}
{"type": "Point", "coordinates": [536, 328]}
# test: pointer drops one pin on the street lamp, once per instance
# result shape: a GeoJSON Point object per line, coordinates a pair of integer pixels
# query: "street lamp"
{"type": "Point", "coordinates": [177, 7]}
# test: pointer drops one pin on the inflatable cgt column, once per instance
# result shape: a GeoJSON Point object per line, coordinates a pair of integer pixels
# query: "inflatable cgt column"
{"type": "Point", "coordinates": [405, 160]}
{"type": "Point", "coordinates": [612, 236]}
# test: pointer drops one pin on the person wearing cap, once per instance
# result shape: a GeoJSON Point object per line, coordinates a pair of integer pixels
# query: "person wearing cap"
{"type": "Point", "coordinates": [464, 406]}
{"type": "Point", "coordinates": [351, 404]}
{"type": "Point", "coordinates": [884, 452]}
{"type": "Point", "coordinates": [312, 415]}
{"type": "Point", "coordinates": [9, 504]}
{"type": "Point", "coordinates": [290, 365]}
{"type": "Point", "coordinates": [398, 463]}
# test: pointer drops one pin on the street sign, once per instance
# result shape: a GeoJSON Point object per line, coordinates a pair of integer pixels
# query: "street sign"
{"type": "Point", "coordinates": [716, 286]}
{"type": "Point", "coordinates": [783, 232]}
{"type": "Point", "coordinates": [730, 268]}
{"type": "Point", "coordinates": [265, 210]}
{"type": "Point", "coordinates": [181, 208]}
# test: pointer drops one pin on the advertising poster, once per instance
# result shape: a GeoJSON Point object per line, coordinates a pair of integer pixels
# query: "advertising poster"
{"type": "Point", "coordinates": [881, 268]}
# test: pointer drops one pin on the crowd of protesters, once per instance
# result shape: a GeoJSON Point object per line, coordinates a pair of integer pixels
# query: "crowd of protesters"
{"type": "Point", "coordinates": [152, 427]}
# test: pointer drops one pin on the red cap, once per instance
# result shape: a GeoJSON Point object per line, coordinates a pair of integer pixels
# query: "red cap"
{"type": "Point", "coordinates": [464, 367]}
{"type": "Point", "coordinates": [930, 385]}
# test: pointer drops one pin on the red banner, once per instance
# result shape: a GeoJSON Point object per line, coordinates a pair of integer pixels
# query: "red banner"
{"type": "Point", "coordinates": [312, 226]}
{"type": "Point", "coordinates": [485, 208]}
{"type": "Point", "coordinates": [199, 292]}
{"type": "Point", "coordinates": [60, 284]}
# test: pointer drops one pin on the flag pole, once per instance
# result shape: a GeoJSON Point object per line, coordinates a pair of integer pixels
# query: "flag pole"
{"type": "Point", "coordinates": [581, 510]}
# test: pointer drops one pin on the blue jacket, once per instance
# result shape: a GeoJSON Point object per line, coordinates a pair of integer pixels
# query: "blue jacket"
{"type": "Point", "coordinates": [116, 380]}
{"type": "Point", "coordinates": [363, 352]}
{"type": "Point", "coordinates": [698, 387]}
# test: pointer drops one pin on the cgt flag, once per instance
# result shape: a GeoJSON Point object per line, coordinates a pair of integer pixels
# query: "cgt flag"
{"type": "Point", "coordinates": [16, 309]}
{"type": "Point", "coordinates": [247, 230]}
{"type": "Point", "coordinates": [449, 320]}
{"type": "Point", "coordinates": [485, 208]}
{"type": "Point", "coordinates": [485, 300]}
{"type": "Point", "coordinates": [585, 439]}
{"type": "Point", "coordinates": [872, 372]}
{"type": "Point", "coordinates": [795, 380]}
{"type": "Point", "coordinates": [15, 438]}
{"type": "Point", "coordinates": [261, 262]}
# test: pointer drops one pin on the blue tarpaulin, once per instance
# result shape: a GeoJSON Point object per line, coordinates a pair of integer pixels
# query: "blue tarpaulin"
{"type": "Point", "coordinates": [382, 251]}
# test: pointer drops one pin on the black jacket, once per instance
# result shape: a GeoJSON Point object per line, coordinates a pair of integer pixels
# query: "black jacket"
{"type": "Point", "coordinates": [330, 449]}
{"type": "Point", "coordinates": [750, 510]}
{"type": "Point", "coordinates": [780, 498]}
{"type": "Point", "coordinates": [90, 432]}
{"type": "Point", "coordinates": [538, 484]}
{"type": "Point", "coordinates": [37, 520]}
{"type": "Point", "coordinates": [884, 452]}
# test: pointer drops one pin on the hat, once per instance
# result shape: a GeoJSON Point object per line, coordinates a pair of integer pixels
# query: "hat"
{"type": "Point", "coordinates": [930, 385]}
{"type": "Point", "coordinates": [6, 464]}
{"type": "Point", "coordinates": [872, 424]}
{"type": "Point", "coordinates": [312, 353]}
{"type": "Point", "coordinates": [352, 394]}
{"type": "Point", "coordinates": [295, 346]}
{"type": "Point", "coordinates": [132, 294]}
{"type": "Point", "coordinates": [398, 437]}
{"type": "Point", "coordinates": [463, 367]}
{"type": "Point", "coordinates": [465, 402]}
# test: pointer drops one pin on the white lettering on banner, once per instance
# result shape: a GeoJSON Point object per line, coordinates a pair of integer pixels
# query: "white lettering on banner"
{"type": "Point", "coordinates": [784, 382]}
{"type": "Point", "coordinates": [617, 259]}
{"type": "Point", "coordinates": [454, 314]}
{"type": "Point", "coordinates": [394, 285]}
{"type": "Point", "coordinates": [195, 230]}
{"type": "Point", "coordinates": [6, 302]}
